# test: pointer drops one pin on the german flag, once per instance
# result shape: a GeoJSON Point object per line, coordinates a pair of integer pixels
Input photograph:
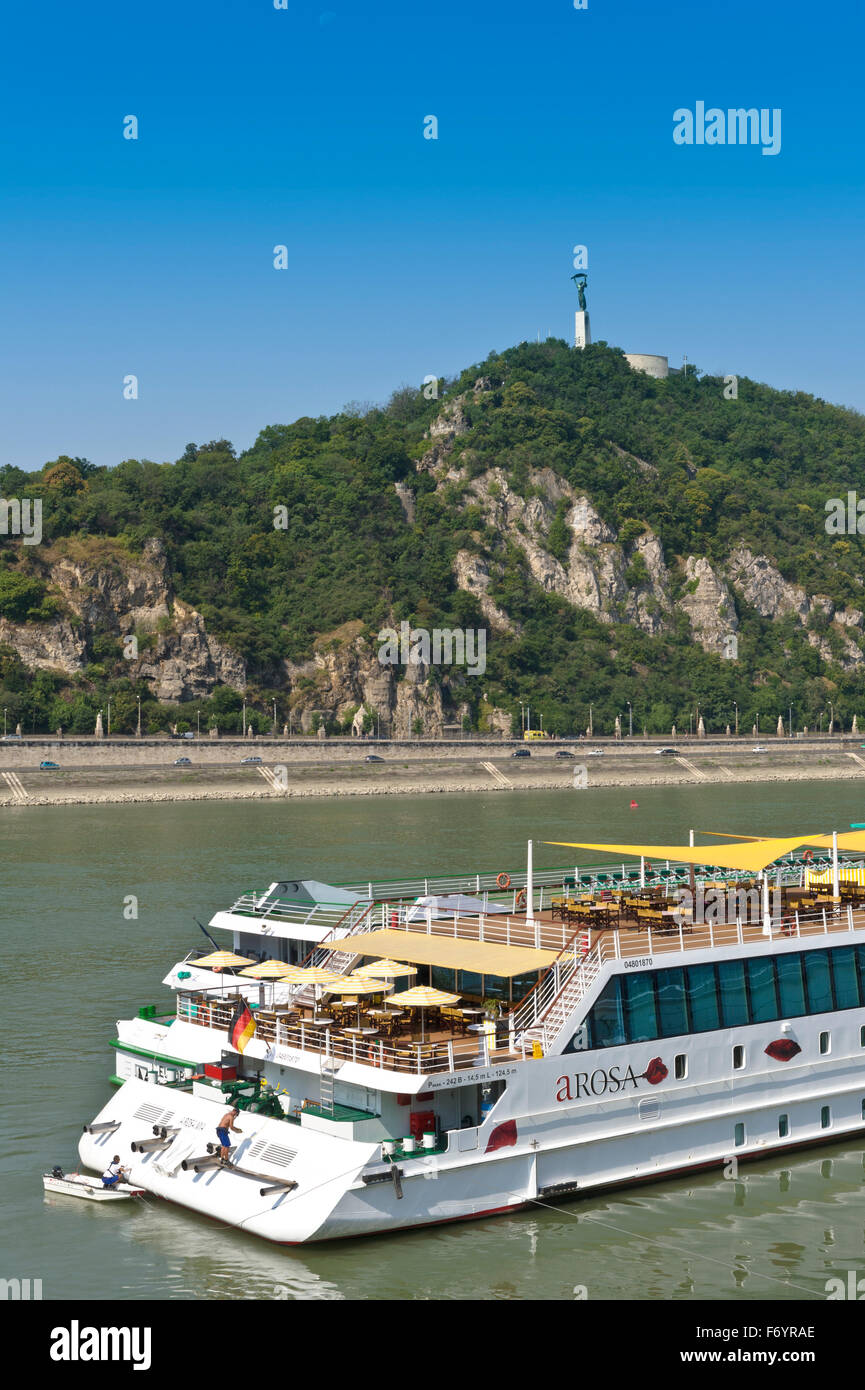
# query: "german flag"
{"type": "Point", "coordinates": [242, 1026]}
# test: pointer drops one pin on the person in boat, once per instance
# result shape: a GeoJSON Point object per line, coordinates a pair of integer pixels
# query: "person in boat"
{"type": "Point", "coordinates": [114, 1173]}
{"type": "Point", "coordinates": [222, 1132]}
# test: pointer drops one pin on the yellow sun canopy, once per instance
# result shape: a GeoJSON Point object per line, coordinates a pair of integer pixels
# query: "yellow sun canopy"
{"type": "Point", "coordinates": [751, 855]}
{"type": "Point", "coordinates": [454, 953]}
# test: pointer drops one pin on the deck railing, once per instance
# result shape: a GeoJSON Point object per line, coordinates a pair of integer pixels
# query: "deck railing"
{"type": "Point", "coordinates": [544, 1012]}
{"type": "Point", "coordinates": [413, 1057]}
{"type": "Point", "coordinates": [322, 916]}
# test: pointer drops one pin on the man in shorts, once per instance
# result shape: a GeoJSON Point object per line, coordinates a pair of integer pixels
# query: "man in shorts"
{"type": "Point", "coordinates": [222, 1132]}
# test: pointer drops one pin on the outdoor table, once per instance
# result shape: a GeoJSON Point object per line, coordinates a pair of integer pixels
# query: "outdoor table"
{"type": "Point", "coordinates": [477, 1028]}
{"type": "Point", "coordinates": [362, 1032]}
{"type": "Point", "coordinates": [471, 1013]}
{"type": "Point", "coordinates": [322, 1021]}
{"type": "Point", "coordinates": [383, 1013]}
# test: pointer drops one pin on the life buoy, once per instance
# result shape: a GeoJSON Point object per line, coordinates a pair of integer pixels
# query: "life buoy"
{"type": "Point", "coordinates": [808, 856]}
{"type": "Point", "coordinates": [503, 880]}
{"type": "Point", "coordinates": [521, 898]}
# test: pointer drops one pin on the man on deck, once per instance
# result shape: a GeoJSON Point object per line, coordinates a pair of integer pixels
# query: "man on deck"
{"type": "Point", "coordinates": [222, 1132]}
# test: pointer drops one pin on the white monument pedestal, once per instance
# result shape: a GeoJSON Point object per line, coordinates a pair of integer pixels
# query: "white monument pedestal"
{"type": "Point", "coordinates": [582, 331]}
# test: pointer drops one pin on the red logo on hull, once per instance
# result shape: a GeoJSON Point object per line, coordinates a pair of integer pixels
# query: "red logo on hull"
{"type": "Point", "coordinates": [783, 1049]}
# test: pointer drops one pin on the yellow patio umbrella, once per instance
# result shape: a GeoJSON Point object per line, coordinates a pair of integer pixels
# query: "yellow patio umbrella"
{"type": "Point", "coordinates": [272, 970]}
{"type": "Point", "coordinates": [386, 970]}
{"type": "Point", "coordinates": [309, 975]}
{"type": "Point", "coordinates": [352, 985]}
{"type": "Point", "coordinates": [423, 997]}
{"type": "Point", "coordinates": [220, 960]}
{"type": "Point", "coordinates": [267, 970]}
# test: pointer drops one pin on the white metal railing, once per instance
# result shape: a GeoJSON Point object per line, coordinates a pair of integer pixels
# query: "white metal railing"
{"type": "Point", "coordinates": [543, 1014]}
{"type": "Point", "coordinates": [591, 876]}
{"type": "Point", "coordinates": [415, 1058]}
{"type": "Point", "coordinates": [318, 915]}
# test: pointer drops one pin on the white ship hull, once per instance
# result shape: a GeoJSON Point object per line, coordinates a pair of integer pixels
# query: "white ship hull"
{"type": "Point", "coordinates": [566, 1125]}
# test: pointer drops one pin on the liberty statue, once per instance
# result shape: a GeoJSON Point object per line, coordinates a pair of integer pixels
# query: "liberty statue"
{"type": "Point", "coordinates": [581, 280]}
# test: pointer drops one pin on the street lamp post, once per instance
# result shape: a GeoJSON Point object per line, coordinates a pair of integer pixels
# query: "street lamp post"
{"type": "Point", "coordinates": [822, 712]}
{"type": "Point", "coordinates": [198, 723]}
{"type": "Point", "coordinates": [138, 730]}
{"type": "Point", "coordinates": [630, 720]}
{"type": "Point", "coordinates": [4, 723]}
{"type": "Point", "coordinates": [274, 716]}
{"type": "Point", "coordinates": [791, 721]}
{"type": "Point", "coordinates": [591, 724]}
{"type": "Point", "coordinates": [831, 717]}
{"type": "Point", "coordinates": [243, 730]}
{"type": "Point", "coordinates": [109, 718]}
{"type": "Point", "coordinates": [736, 707]}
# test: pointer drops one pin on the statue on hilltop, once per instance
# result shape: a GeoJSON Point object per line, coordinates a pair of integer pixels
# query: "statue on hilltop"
{"type": "Point", "coordinates": [581, 280]}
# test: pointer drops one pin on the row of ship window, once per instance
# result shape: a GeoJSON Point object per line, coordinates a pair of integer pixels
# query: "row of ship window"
{"type": "Point", "coordinates": [784, 1124]}
{"type": "Point", "coordinates": [650, 1004]}
{"type": "Point", "coordinates": [680, 1061]}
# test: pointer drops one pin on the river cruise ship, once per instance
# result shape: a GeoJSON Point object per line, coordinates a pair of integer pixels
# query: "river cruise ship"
{"type": "Point", "coordinates": [401, 1054]}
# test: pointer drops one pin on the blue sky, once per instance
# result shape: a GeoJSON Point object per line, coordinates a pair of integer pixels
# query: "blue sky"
{"type": "Point", "coordinates": [407, 256]}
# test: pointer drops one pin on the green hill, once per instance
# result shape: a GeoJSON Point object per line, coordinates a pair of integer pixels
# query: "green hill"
{"type": "Point", "coordinates": [587, 516]}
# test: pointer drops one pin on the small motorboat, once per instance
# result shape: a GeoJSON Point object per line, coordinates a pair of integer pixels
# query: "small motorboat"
{"type": "Point", "coordinates": [86, 1186]}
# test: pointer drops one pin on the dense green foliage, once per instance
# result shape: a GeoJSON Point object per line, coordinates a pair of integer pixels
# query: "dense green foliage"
{"type": "Point", "coordinates": [305, 531]}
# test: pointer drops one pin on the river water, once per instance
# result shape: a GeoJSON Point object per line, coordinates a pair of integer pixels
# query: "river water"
{"type": "Point", "coordinates": [73, 965]}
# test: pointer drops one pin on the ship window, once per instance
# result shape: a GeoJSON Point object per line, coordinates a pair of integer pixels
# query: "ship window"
{"type": "Point", "coordinates": [703, 998]}
{"type": "Point", "coordinates": [640, 1009]}
{"type": "Point", "coordinates": [761, 987]}
{"type": "Point", "coordinates": [734, 1001]}
{"type": "Point", "coordinates": [791, 988]}
{"type": "Point", "coordinates": [862, 1037]}
{"type": "Point", "coordinates": [442, 977]}
{"type": "Point", "coordinates": [824, 1043]}
{"type": "Point", "coordinates": [672, 1004]}
{"type": "Point", "coordinates": [825, 1117]}
{"type": "Point", "coordinates": [680, 1067]}
{"type": "Point", "coordinates": [818, 981]}
{"type": "Point", "coordinates": [863, 1110]}
{"type": "Point", "coordinates": [607, 1023]}
{"type": "Point", "coordinates": [738, 1057]}
{"type": "Point", "coordinates": [739, 1135]}
{"type": "Point", "coordinates": [783, 1126]}
{"type": "Point", "coordinates": [845, 978]}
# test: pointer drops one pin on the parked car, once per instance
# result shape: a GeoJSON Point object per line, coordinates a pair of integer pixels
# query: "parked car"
{"type": "Point", "coordinates": [12, 738]}
{"type": "Point", "coordinates": [594, 752]}
{"type": "Point", "coordinates": [47, 766]}
{"type": "Point", "coordinates": [668, 752]}
{"type": "Point", "coordinates": [189, 734]}
{"type": "Point", "coordinates": [522, 753]}
{"type": "Point", "coordinates": [183, 762]}
{"type": "Point", "coordinates": [565, 753]}
{"type": "Point", "coordinates": [758, 748]}
{"type": "Point", "coordinates": [249, 760]}
{"type": "Point", "coordinates": [373, 758]}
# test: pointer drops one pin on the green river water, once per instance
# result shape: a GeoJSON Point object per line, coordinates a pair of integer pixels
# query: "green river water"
{"type": "Point", "coordinates": [73, 966]}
